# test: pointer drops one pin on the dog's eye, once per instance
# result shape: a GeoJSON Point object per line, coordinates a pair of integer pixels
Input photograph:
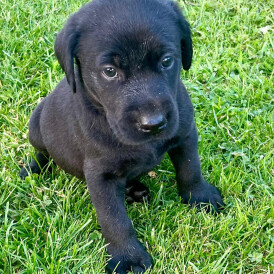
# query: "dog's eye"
{"type": "Point", "coordinates": [110, 72]}
{"type": "Point", "coordinates": [167, 62]}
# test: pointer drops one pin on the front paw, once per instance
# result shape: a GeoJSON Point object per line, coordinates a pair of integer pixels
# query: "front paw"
{"type": "Point", "coordinates": [132, 258]}
{"type": "Point", "coordinates": [202, 195]}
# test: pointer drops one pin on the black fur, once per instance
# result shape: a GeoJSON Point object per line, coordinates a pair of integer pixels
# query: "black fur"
{"type": "Point", "coordinates": [108, 131]}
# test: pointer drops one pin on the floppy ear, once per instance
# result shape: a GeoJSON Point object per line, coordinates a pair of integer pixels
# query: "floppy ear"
{"type": "Point", "coordinates": [186, 41]}
{"type": "Point", "coordinates": [65, 50]}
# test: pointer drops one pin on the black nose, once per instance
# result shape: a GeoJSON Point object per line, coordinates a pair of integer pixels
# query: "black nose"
{"type": "Point", "coordinates": [152, 124]}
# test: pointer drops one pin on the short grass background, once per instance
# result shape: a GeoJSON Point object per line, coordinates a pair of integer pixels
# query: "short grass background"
{"type": "Point", "coordinates": [47, 222]}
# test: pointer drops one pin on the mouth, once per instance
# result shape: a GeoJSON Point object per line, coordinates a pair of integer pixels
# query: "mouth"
{"type": "Point", "coordinates": [132, 129]}
{"type": "Point", "coordinates": [138, 136]}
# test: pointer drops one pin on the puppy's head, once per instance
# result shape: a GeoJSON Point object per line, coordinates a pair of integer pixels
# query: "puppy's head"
{"type": "Point", "coordinates": [129, 55]}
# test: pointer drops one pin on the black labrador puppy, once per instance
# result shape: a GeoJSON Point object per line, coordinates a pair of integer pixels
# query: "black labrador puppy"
{"type": "Point", "coordinates": [119, 109]}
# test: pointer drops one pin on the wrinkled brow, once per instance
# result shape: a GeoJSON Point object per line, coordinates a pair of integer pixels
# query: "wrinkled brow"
{"type": "Point", "coordinates": [120, 58]}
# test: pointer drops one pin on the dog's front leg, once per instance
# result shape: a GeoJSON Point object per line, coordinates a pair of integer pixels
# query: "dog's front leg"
{"type": "Point", "coordinates": [108, 196]}
{"type": "Point", "coordinates": [192, 186]}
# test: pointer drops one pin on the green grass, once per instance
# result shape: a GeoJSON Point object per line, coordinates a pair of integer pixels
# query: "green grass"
{"type": "Point", "coordinates": [47, 223]}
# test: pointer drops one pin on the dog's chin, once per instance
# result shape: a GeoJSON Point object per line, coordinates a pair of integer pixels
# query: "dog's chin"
{"type": "Point", "coordinates": [135, 137]}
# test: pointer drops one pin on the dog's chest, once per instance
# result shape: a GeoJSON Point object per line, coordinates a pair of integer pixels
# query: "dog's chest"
{"type": "Point", "coordinates": [143, 159]}
{"type": "Point", "coordinates": [140, 163]}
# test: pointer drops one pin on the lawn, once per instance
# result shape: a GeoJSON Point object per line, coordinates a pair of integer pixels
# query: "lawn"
{"type": "Point", "coordinates": [47, 222]}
